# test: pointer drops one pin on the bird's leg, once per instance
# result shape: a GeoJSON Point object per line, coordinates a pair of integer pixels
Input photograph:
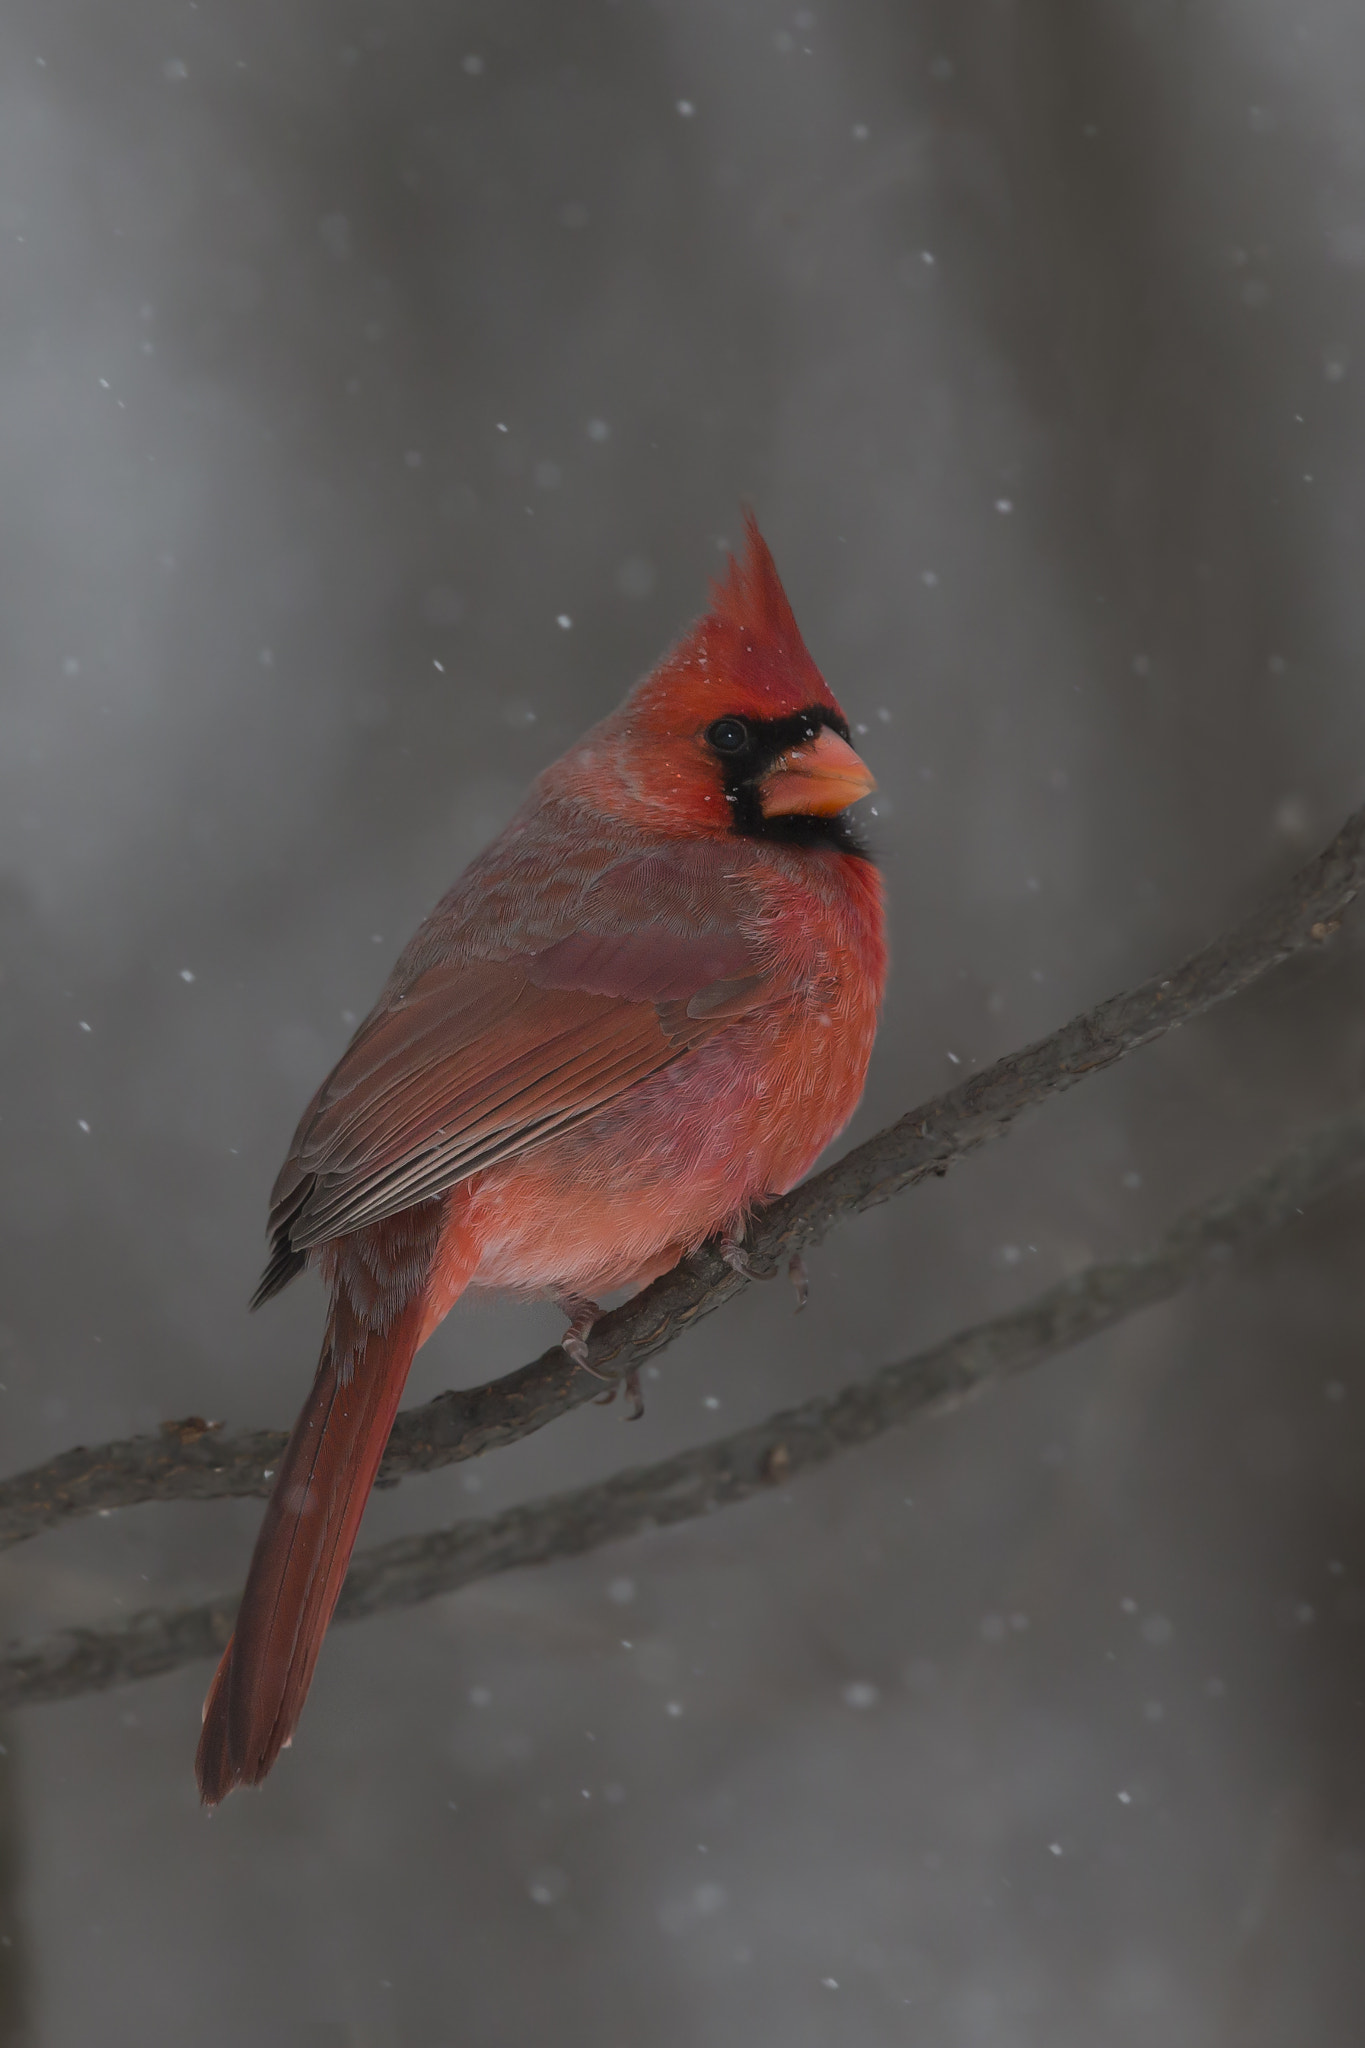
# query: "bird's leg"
{"type": "Point", "coordinates": [800, 1280]}
{"type": "Point", "coordinates": [732, 1250]}
{"type": "Point", "coordinates": [582, 1315]}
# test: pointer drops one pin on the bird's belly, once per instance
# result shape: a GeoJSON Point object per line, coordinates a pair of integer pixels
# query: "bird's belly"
{"type": "Point", "coordinates": [679, 1157]}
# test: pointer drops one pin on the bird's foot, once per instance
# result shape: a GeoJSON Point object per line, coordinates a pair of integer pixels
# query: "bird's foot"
{"type": "Point", "coordinates": [736, 1257]}
{"type": "Point", "coordinates": [800, 1280]}
{"type": "Point", "coordinates": [635, 1400]}
{"type": "Point", "coordinates": [582, 1315]}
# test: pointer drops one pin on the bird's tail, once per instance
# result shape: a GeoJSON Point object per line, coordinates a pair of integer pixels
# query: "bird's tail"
{"type": "Point", "coordinates": [306, 1539]}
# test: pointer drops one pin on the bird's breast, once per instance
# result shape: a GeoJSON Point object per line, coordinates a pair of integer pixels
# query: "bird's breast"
{"type": "Point", "coordinates": [686, 1152]}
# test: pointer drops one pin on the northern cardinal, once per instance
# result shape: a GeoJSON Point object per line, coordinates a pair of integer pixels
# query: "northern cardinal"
{"type": "Point", "coordinates": [647, 1006]}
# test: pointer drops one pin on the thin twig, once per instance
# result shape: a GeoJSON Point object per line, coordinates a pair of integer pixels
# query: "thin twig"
{"type": "Point", "coordinates": [716, 1475]}
{"type": "Point", "coordinates": [190, 1461]}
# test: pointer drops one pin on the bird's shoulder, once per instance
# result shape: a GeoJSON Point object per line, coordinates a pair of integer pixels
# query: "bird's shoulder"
{"type": "Point", "coordinates": [556, 875]}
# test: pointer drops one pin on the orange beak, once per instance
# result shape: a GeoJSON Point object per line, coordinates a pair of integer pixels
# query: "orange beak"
{"type": "Point", "coordinates": [819, 777]}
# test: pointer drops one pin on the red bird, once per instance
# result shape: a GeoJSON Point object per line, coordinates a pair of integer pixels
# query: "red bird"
{"type": "Point", "coordinates": [647, 1006]}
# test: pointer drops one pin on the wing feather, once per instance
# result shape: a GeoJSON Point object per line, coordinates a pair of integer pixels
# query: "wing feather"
{"type": "Point", "coordinates": [475, 1059]}
{"type": "Point", "coordinates": [565, 1077]}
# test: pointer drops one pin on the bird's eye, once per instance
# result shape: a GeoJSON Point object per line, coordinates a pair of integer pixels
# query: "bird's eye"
{"type": "Point", "coordinates": [728, 735]}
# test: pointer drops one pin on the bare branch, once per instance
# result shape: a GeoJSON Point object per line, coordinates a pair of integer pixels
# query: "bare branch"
{"type": "Point", "coordinates": [191, 1462]}
{"type": "Point", "coordinates": [716, 1475]}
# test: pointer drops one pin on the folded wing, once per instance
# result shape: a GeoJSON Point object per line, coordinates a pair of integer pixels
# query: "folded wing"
{"type": "Point", "coordinates": [478, 1059]}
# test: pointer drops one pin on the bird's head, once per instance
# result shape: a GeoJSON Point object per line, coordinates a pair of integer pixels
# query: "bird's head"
{"type": "Point", "coordinates": [736, 730]}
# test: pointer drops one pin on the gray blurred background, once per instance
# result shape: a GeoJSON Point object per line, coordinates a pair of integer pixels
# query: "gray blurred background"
{"type": "Point", "coordinates": [378, 388]}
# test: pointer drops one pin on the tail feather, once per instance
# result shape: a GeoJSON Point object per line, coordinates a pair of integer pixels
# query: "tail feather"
{"type": "Point", "coordinates": [311, 1522]}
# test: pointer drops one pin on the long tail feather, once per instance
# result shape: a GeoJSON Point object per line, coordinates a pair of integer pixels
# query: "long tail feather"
{"type": "Point", "coordinates": [311, 1522]}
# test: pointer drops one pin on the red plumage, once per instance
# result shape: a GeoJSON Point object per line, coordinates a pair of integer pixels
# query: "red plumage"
{"type": "Point", "coordinates": [647, 1006]}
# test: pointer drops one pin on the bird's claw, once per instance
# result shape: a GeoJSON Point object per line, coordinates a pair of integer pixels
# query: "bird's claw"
{"type": "Point", "coordinates": [737, 1258]}
{"type": "Point", "coordinates": [800, 1280]}
{"type": "Point", "coordinates": [582, 1315]}
{"type": "Point", "coordinates": [635, 1400]}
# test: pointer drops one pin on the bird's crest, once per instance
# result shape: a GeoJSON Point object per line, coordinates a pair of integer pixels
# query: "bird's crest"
{"type": "Point", "coordinates": [750, 636]}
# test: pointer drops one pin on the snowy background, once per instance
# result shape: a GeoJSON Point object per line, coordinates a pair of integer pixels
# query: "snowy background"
{"type": "Point", "coordinates": [344, 348]}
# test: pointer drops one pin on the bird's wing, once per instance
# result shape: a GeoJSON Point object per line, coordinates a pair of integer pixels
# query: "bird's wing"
{"type": "Point", "coordinates": [478, 1059]}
